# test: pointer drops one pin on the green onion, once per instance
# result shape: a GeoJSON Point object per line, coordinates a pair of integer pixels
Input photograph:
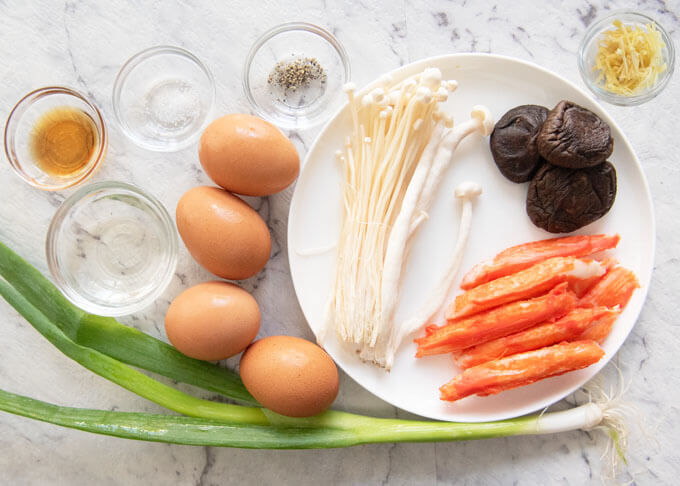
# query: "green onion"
{"type": "Point", "coordinates": [98, 343]}
{"type": "Point", "coordinates": [204, 432]}
{"type": "Point", "coordinates": [83, 338]}
{"type": "Point", "coordinates": [127, 377]}
{"type": "Point", "coordinates": [168, 397]}
{"type": "Point", "coordinates": [136, 348]}
{"type": "Point", "coordinates": [114, 339]}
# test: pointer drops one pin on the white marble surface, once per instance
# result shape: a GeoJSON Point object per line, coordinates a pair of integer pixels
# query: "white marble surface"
{"type": "Point", "coordinates": [82, 44]}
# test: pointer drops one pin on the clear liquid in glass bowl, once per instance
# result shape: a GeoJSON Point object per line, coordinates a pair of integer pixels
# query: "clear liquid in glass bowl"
{"type": "Point", "coordinates": [111, 248]}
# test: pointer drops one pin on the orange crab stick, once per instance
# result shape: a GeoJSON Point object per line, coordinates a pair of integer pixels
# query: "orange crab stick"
{"type": "Point", "coordinates": [525, 284]}
{"type": "Point", "coordinates": [602, 327]}
{"type": "Point", "coordinates": [571, 327]}
{"type": "Point", "coordinates": [495, 323]}
{"type": "Point", "coordinates": [581, 287]}
{"type": "Point", "coordinates": [615, 288]}
{"type": "Point", "coordinates": [521, 369]}
{"type": "Point", "coordinates": [523, 256]}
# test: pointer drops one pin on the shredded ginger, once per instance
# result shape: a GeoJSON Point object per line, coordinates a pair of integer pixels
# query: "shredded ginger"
{"type": "Point", "coordinates": [630, 58]}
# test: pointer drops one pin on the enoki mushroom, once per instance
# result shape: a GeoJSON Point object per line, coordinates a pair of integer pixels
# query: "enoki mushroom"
{"type": "Point", "coordinates": [392, 164]}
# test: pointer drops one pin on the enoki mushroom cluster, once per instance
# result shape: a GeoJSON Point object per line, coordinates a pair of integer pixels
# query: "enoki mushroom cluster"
{"type": "Point", "coordinates": [392, 163]}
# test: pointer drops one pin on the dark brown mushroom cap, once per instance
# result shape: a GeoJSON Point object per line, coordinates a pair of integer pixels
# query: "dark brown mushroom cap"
{"type": "Point", "coordinates": [513, 142]}
{"type": "Point", "coordinates": [563, 200]}
{"type": "Point", "coordinates": [574, 137]}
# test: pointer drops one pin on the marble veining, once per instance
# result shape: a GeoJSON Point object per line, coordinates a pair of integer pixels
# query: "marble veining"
{"type": "Point", "coordinates": [82, 44]}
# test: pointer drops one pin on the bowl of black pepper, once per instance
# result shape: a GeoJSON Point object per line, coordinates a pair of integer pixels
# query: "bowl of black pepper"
{"type": "Point", "coordinates": [294, 74]}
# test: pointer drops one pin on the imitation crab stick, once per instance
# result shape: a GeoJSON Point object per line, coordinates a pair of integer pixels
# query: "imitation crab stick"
{"type": "Point", "coordinates": [602, 327]}
{"type": "Point", "coordinates": [519, 257]}
{"type": "Point", "coordinates": [497, 322]}
{"type": "Point", "coordinates": [583, 286]}
{"type": "Point", "coordinates": [615, 288]}
{"type": "Point", "coordinates": [525, 284]}
{"type": "Point", "coordinates": [571, 327]}
{"type": "Point", "coordinates": [521, 369]}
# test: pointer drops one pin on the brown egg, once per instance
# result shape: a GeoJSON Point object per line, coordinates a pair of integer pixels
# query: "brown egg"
{"type": "Point", "coordinates": [225, 235]}
{"type": "Point", "coordinates": [289, 375]}
{"type": "Point", "coordinates": [212, 320]}
{"type": "Point", "coordinates": [247, 155]}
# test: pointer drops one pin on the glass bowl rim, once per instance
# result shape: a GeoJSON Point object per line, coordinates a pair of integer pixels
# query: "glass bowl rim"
{"type": "Point", "coordinates": [273, 32]}
{"type": "Point", "coordinates": [136, 60]}
{"type": "Point", "coordinates": [596, 28]}
{"type": "Point", "coordinates": [21, 106]}
{"type": "Point", "coordinates": [159, 212]}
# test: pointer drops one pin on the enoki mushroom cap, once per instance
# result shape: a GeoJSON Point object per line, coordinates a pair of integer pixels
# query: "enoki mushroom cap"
{"type": "Point", "coordinates": [468, 190]}
{"type": "Point", "coordinates": [385, 80]}
{"type": "Point", "coordinates": [432, 78]}
{"type": "Point", "coordinates": [442, 94]}
{"type": "Point", "coordinates": [424, 95]}
{"type": "Point", "coordinates": [349, 87]}
{"type": "Point", "coordinates": [483, 114]}
{"type": "Point", "coordinates": [452, 85]}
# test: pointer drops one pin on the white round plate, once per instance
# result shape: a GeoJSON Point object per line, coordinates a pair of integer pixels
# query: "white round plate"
{"type": "Point", "coordinates": [499, 221]}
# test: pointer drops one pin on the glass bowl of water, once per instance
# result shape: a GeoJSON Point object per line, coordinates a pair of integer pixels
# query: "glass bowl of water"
{"type": "Point", "coordinates": [111, 248]}
{"type": "Point", "coordinates": [163, 98]}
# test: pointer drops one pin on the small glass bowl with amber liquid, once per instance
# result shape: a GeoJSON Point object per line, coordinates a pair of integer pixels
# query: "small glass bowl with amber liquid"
{"type": "Point", "coordinates": [55, 138]}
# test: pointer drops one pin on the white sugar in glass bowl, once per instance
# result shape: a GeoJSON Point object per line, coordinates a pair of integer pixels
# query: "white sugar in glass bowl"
{"type": "Point", "coordinates": [163, 98]}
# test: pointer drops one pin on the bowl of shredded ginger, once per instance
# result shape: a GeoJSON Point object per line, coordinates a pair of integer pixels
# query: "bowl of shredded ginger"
{"type": "Point", "coordinates": [626, 58]}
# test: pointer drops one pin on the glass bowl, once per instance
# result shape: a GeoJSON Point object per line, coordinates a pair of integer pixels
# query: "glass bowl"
{"type": "Point", "coordinates": [269, 75]}
{"type": "Point", "coordinates": [111, 248]}
{"type": "Point", "coordinates": [29, 113]}
{"type": "Point", "coordinates": [163, 98]}
{"type": "Point", "coordinates": [589, 48]}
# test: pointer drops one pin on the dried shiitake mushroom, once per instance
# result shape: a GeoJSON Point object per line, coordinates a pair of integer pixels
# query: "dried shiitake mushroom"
{"type": "Point", "coordinates": [563, 200]}
{"type": "Point", "coordinates": [513, 142]}
{"type": "Point", "coordinates": [574, 137]}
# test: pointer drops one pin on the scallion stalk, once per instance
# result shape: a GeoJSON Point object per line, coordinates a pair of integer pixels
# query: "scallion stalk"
{"type": "Point", "coordinates": [125, 376]}
{"type": "Point", "coordinates": [157, 392]}
{"type": "Point", "coordinates": [204, 432]}
{"type": "Point", "coordinates": [84, 338]}
{"type": "Point", "coordinates": [133, 347]}
{"type": "Point", "coordinates": [114, 339]}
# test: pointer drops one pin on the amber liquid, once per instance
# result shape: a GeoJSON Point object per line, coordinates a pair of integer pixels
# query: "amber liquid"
{"type": "Point", "coordinates": [63, 141]}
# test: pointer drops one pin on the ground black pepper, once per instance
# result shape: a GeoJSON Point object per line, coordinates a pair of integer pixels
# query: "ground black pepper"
{"type": "Point", "coordinates": [289, 76]}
